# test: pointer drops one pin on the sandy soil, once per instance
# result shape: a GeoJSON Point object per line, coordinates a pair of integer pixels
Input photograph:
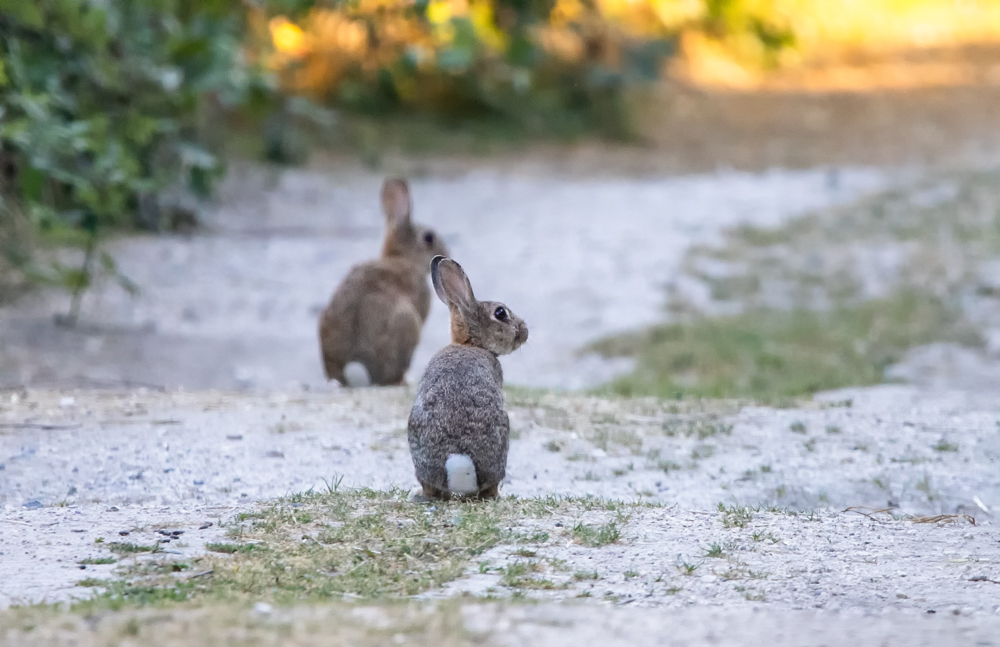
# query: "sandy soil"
{"type": "Point", "coordinates": [497, 625]}
{"type": "Point", "coordinates": [177, 461]}
{"type": "Point", "coordinates": [236, 305]}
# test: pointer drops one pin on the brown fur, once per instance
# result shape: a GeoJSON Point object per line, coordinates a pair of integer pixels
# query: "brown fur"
{"type": "Point", "coordinates": [376, 314]}
{"type": "Point", "coordinates": [459, 407]}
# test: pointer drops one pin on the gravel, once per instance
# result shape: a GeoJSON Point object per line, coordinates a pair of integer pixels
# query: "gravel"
{"type": "Point", "coordinates": [176, 460]}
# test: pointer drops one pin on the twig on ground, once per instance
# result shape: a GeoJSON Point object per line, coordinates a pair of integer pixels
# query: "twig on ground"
{"type": "Point", "coordinates": [983, 578]}
{"type": "Point", "coordinates": [944, 518]}
{"type": "Point", "coordinates": [936, 519]}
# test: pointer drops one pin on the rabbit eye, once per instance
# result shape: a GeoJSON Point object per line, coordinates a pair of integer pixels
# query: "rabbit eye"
{"type": "Point", "coordinates": [500, 313]}
{"type": "Point", "coordinates": [429, 238]}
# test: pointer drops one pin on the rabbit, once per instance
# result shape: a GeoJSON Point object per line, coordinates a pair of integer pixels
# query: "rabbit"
{"type": "Point", "coordinates": [371, 326]}
{"type": "Point", "coordinates": [458, 429]}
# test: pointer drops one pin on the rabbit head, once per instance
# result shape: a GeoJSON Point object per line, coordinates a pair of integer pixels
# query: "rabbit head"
{"type": "Point", "coordinates": [485, 324]}
{"type": "Point", "coordinates": [404, 238]}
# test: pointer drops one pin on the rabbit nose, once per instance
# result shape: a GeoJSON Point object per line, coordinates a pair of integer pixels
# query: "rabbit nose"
{"type": "Point", "coordinates": [522, 333]}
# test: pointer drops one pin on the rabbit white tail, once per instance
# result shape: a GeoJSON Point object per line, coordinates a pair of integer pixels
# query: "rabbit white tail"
{"type": "Point", "coordinates": [461, 474]}
{"type": "Point", "coordinates": [356, 375]}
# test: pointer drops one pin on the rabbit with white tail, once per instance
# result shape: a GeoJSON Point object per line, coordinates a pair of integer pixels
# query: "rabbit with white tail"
{"type": "Point", "coordinates": [368, 332]}
{"type": "Point", "coordinates": [458, 428]}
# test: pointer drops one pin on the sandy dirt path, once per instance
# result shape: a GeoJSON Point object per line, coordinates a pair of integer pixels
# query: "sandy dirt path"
{"type": "Point", "coordinates": [236, 305]}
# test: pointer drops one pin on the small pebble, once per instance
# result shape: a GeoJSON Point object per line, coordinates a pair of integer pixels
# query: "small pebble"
{"type": "Point", "coordinates": [263, 608]}
{"type": "Point", "coordinates": [207, 524]}
{"type": "Point", "coordinates": [32, 505]}
{"type": "Point", "coordinates": [123, 533]}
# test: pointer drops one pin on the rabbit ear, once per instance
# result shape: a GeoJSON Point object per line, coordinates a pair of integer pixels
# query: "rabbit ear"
{"type": "Point", "coordinates": [396, 202]}
{"type": "Point", "coordinates": [451, 283]}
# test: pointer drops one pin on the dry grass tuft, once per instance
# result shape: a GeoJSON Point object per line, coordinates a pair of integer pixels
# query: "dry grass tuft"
{"type": "Point", "coordinates": [895, 514]}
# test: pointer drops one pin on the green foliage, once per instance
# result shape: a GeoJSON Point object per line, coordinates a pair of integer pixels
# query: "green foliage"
{"type": "Point", "coordinates": [749, 28]}
{"type": "Point", "coordinates": [107, 116]}
{"type": "Point", "coordinates": [558, 72]}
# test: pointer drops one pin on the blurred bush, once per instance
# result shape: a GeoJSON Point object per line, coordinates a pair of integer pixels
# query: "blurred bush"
{"type": "Point", "coordinates": [109, 117]}
{"type": "Point", "coordinates": [556, 66]}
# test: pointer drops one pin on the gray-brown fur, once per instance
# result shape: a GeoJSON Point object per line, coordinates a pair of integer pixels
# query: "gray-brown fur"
{"type": "Point", "coordinates": [376, 314]}
{"type": "Point", "coordinates": [459, 408]}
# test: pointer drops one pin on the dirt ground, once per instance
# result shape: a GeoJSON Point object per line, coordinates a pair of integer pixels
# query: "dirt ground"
{"type": "Point", "coordinates": [97, 463]}
{"type": "Point", "coordinates": [236, 306]}
{"type": "Point", "coordinates": [177, 410]}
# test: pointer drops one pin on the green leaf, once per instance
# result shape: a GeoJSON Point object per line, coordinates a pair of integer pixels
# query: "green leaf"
{"type": "Point", "coordinates": [26, 12]}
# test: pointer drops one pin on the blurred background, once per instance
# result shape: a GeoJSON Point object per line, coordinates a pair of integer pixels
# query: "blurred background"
{"type": "Point", "coordinates": [683, 198]}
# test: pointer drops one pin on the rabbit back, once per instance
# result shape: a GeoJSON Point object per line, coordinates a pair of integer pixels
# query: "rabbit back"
{"type": "Point", "coordinates": [375, 318]}
{"type": "Point", "coordinates": [459, 411]}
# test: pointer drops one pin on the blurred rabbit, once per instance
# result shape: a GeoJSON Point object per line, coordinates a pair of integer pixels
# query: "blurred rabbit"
{"type": "Point", "coordinates": [458, 428]}
{"type": "Point", "coordinates": [368, 332]}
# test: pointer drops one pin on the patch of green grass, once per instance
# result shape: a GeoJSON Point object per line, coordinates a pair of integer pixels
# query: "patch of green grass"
{"type": "Point", "coordinates": [520, 575]}
{"type": "Point", "coordinates": [758, 536]}
{"type": "Point", "coordinates": [97, 560]}
{"type": "Point", "coordinates": [595, 535]}
{"type": "Point", "coordinates": [767, 353]}
{"type": "Point", "coordinates": [702, 451]}
{"type": "Point", "coordinates": [807, 317]}
{"type": "Point", "coordinates": [944, 446]}
{"type": "Point", "coordinates": [735, 516]}
{"type": "Point", "coordinates": [715, 550]}
{"type": "Point", "coordinates": [367, 543]}
{"type": "Point", "coordinates": [688, 568]}
{"type": "Point", "coordinates": [230, 549]}
{"type": "Point", "coordinates": [700, 427]}
{"type": "Point", "coordinates": [667, 466]}
{"type": "Point", "coordinates": [752, 595]}
{"type": "Point", "coordinates": [924, 485]}
{"type": "Point", "coordinates": [603, 437]}
{"type": "Point", "coordinates": [127, 548]}
{"type": "Point", "coordinates": [622, 471]}
{"type": "Point", "coordinates": [586, 575]}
